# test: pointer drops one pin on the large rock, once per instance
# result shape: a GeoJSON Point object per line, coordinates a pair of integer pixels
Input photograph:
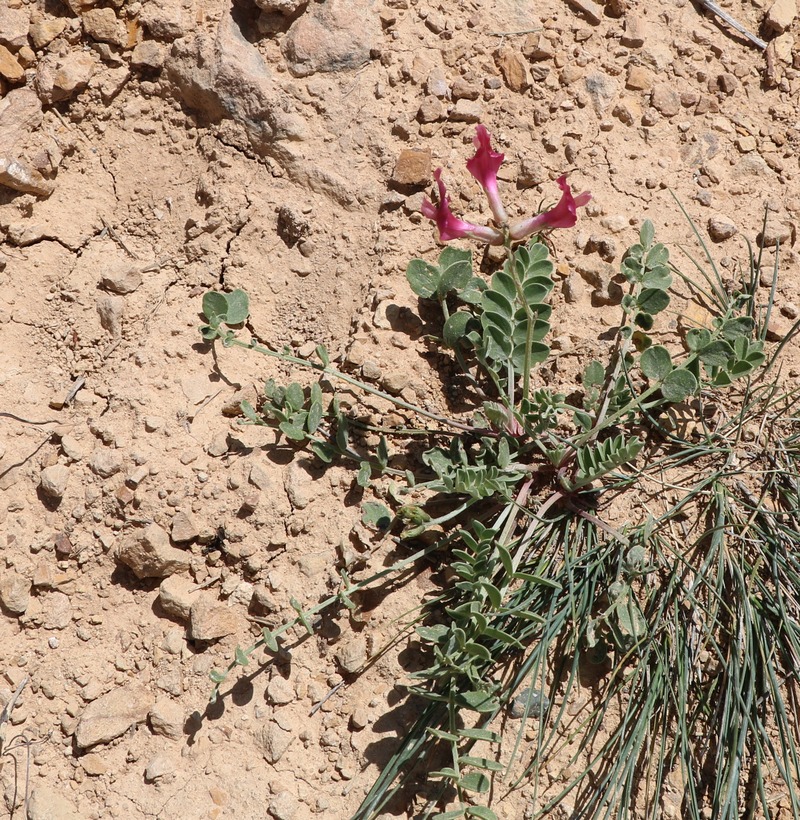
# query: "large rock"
{"type": "Point", "coordinates": [222, 76]}
{"type": "Point", "coordinates": [113, 714]}
{"type": "Point", "coordinates": [49, 804]}
{"type": "Point", "coordinates": [61, 78]}
{"type": "Point", "coordinates": [14, 24]}
{"type": "Point", "coordinates": [332, 36]}
{"type": "Point", "coordinates": [15, 592]}
{"type": "Point", "coordinates": [150, 555]}
{"type": "Point", "coordinates": [20, 113]}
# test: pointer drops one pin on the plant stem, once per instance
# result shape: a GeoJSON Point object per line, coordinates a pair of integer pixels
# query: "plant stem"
{"type": "Point", "coordinates": [337, 374]}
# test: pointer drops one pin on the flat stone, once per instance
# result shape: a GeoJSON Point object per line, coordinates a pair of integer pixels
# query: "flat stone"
{"type": "Point", "coordinates": [184, 528]}
{"type": "Point", "coordinates": [14, 24]}
{"type": "Point", "coordinates": [93, 764]}
{"type": "Point", "coordinates": [467, 111]}
{"type": "Point", "coordinates": [780, 16]}
{"type": "Point", "coordinates": [112, 715]}
{"type": "Point", "coordinates": [49, 804]}
{"type": "Point", "coordinates": [746, 144]}
{"type": "Point", "coordinates": [104, 26]}
{"type": "Point", "coordinates": [334, 36]}
{"type": "Point", "coordinates": [721, 228]}
{"type": "Point", "coordinates": [150, 555]}
{"type": "Point", "coordinates": [602, 90]}
{"type": "Point", "coordinates": [20, 114]}
{"type": "Point", "coordinates": [161, 765]}
{"type": "Point", "coordinates": [589, 9]}
{"type": "Point", "coordinates": [413, 168]}
{"type": "Point", "coordinates": [665, 99]}
{"type": "Point", "coordinates": [209, 620]}
{"type": "Point", "coordinates": [176, 596]}
{"type": "Point", "coordinates": [639, 78]}
{"type": "Point", "coordinates": [53, 481]}
{"type": "Point", "coordinates": [9, 66]}
{"type": "Point", "coordinates": [465, 90]}
{"type": "Point", "coordinates": [56, 610]}
{"type": "Point", "coordinates": [15, 592]}
{"type": "Point", "coordinates": [273, 741]}
{"type": "Point", "coordinates": [122, 279]}
{"type": "Point", "coordinates": [167, 719]}
{"type": "Point", "coordinates": [45, 31]}
{"type": "Point", "coordinates": [514, 69]}
{"type": "Point", "coordinates": [280, 691]}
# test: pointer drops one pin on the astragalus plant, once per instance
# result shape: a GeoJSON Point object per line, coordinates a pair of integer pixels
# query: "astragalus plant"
{"type": "Point", "coordinates": [588, 534]}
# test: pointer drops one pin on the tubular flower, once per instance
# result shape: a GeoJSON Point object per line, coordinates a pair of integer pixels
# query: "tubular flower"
{"type": "Point", "coordinates": [484, 167]}
{"type": "Point", "coordinates": [563, 215]}
{"type": "Point", "coordinates": [450, 226]}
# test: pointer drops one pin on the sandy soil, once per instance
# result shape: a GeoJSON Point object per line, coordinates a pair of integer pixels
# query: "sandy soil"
{"type": "Point", "coordinates": [166, 148]}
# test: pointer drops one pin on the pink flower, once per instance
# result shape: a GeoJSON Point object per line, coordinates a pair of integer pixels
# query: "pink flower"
{"type": "Point", "coordinates": [451, 227]}
{"type": "Point", "coordinates": [564, 215]}
{"type": "Point", "coordinates": [484, 167]}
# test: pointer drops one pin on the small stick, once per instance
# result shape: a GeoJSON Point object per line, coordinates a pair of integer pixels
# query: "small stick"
{"type": "Point", "coordinates": [513, 33]}
{"type": "Point", "coordinates": [118, 239]}
{"type": "Point", "coordinates": [9, 708]}
{"type": "Point", "coordinates": [733, 23]}
{"type": "Point", "coordinates": [73, 391]}
{"type": "Point", "coordinates": [317, 706]}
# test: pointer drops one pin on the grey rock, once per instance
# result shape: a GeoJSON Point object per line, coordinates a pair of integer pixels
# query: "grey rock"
{"type": "Point", "coordinates": [113, 714]}
{"type": "Point", "coordinates": [602, 91]}
{"type": "Point", "coordinates": [150, 555]}
{"type": "Point", "coordinates": [352, 655]}
{"type": "Point", "coordinates": [467, 111]}
{"type": "Point", "coordinates": [53, 481]}
{"type": "Point", "coordinates": [332, 36]}
{"type": "Point", "coordinates": [48, 804]}
{"type": "Point", "coordinates": [533, 702]}
{"type": "Point", "coordinates": [15, 592]}
{"type": "Point", "coordinates": [148, 55]}
{"type": "Point", "coordinates": [105, 462]}
{"type": "Point", "coordinates": [223, 76]}
{"type": "Point", "coordinates": [167, 719]}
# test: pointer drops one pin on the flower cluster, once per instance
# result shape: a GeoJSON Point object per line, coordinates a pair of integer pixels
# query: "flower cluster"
{"type": "Point", "coordinates": [484, 167]}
